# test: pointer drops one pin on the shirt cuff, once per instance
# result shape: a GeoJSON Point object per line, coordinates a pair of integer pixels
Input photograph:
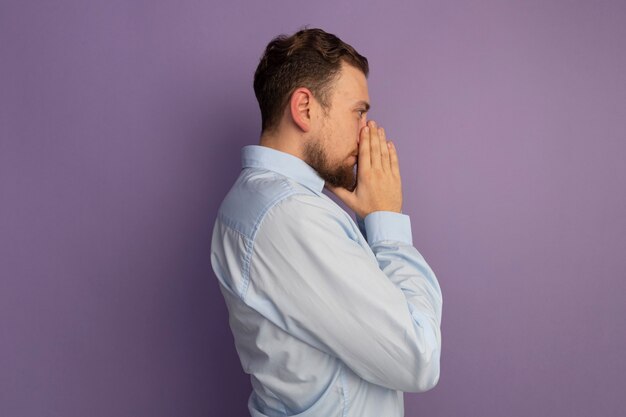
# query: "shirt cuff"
{"type": "Point", "coordinates": [388, 225]}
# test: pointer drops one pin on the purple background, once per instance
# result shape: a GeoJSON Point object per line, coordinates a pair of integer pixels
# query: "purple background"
{"type": "Point", "coordinates": [121, 125]}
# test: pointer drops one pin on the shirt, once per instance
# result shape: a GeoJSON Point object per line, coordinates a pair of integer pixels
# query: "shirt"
{"type": "Point", "coordinates": [330, 317]}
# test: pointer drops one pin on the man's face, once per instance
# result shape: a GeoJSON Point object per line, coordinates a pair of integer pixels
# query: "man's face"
{"type": "Point", "coordinates": [333, 149]}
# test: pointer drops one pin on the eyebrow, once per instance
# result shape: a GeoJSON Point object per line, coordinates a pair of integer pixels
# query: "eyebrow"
{"type": "Point", "coordinates": [363, 103]}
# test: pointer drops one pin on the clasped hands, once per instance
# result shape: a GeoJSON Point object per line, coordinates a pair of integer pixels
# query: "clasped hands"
{"type": "Point", "coordinates": [378, 186]}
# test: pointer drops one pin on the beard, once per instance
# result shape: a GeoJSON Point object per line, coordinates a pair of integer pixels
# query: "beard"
{"type": "Point", "coordinates": [335, 175]}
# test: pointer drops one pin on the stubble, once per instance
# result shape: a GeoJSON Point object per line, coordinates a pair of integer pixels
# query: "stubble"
{"type": "Point", "coordinates": [336, 175]}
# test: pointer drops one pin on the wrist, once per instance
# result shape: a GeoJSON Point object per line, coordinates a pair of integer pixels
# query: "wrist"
{"type": "Point", "coordinates": [387, 225]}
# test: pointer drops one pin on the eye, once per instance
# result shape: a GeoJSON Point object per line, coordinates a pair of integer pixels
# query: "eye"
{"type": "Point", "coordinates": [361, 112]}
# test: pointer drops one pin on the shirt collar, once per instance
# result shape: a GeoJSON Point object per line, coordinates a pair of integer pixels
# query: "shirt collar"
{"type": "Point", "coordinates": [290, 166]}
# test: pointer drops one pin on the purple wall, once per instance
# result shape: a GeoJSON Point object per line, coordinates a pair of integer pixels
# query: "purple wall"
{"type": "Point", "coordinates": [120, 130]}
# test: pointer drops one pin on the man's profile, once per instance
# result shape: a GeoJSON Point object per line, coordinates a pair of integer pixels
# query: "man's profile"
{"type": "Point", "coordinates": [330, 317]}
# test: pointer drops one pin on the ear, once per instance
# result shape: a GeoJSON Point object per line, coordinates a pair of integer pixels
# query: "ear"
{"type": "Point", "coordinates": [300, 106]}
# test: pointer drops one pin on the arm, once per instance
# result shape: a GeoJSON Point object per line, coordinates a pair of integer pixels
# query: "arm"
{"type": "Point", "coordinates": [379, 315]}
{"type": "Point", "coordinates": [377, 202]}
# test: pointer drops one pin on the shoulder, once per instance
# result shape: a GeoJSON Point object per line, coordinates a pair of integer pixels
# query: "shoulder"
{"type": "Point", "coordinates": [252, 195]}
{"type": "Point", "coordinates": [307, 213]}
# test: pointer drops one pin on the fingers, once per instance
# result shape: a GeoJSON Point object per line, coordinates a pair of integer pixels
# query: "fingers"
{"type": "Point", "coordinates": [378, 185]}
{"type": "Point", "coordinates": [375, 146]}
{"type": "Point", "coordinates": [364, 148]}
{"type": "Point", "coordinates": [375, 151]}
{"type": "Point", "coordinates": [393, 159]}
{"type": "Point", "coordinates": [384, 151]}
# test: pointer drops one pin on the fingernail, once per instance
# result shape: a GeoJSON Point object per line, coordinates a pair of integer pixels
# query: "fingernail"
{"type": "Point", "coordinates": [367, 129]}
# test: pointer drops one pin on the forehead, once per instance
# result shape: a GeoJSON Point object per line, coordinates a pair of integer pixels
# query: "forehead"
{"type": "Point", "coordinates": [351, 86]}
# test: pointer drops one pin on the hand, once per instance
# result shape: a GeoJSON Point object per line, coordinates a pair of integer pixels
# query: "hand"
{"type": "Point", "coordinates": [378, 186]}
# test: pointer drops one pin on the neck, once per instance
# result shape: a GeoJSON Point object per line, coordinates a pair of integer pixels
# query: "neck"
{"type": "Point", "coordinates": [283, 142]}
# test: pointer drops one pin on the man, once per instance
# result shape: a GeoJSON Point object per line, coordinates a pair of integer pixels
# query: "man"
{"type": "Point", "coordinates": [330, 317]}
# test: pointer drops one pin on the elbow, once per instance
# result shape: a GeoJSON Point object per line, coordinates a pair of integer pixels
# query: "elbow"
{"type": "Point", "coordinates": [415, 359]}
{"type": "Point", "coordinates": [426, 377]}
{"type": "Point", "coordinates": [425, 362]}
{"type": "Point", "coordinates": [417, 373]}
{"type": "Point", "coordinates": [420, 372]}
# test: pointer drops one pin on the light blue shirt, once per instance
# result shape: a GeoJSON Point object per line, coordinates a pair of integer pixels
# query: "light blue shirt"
{"type": "Point", "coordinates": [330, 318]}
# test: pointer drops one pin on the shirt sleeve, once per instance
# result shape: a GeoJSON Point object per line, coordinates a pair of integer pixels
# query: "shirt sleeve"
{"type": "Point", "coordinates": [378, 310]}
